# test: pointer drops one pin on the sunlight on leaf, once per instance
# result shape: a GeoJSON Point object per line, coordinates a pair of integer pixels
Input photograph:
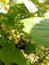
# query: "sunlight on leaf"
{"type": "Point", "coordinates": [39, 28]}
{"type": "Point", "coordinates": [30, 22]}
{"type": "Point", "coordinates": [41, 1]}
{"type": "Point", "coordinates": [46, 14]}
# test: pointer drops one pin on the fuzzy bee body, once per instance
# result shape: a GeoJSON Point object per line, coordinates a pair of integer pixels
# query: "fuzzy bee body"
{"type": "Point", "coordinates": [20, 45]}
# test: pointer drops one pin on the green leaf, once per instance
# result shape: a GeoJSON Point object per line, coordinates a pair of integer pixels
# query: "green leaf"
{"type": "Point", "coordinates": [10, 54]}
{"type": "Point", "coordinates": [39, 28]}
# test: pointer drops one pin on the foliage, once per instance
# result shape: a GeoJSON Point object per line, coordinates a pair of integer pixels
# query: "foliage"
{"type": "Point", "coordinates": [17, 46]}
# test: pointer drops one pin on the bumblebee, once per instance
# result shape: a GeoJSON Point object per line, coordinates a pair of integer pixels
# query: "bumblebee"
{"type": "Point", "coordinates": [21, 40]}
{"type": "Point", "coordinates": [21, 44]}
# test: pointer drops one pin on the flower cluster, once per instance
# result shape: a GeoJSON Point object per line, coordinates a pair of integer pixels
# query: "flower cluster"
{"type": "Point", "coordinates": [4, 6]}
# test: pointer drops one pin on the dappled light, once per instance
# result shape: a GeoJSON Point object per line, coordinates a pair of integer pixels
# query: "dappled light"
{"type": "Point", "coordinates": [24, 32]}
